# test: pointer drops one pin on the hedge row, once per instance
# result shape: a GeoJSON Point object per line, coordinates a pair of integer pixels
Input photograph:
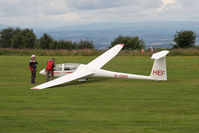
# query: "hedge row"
{"type": "Point", "coordinates": [93, 52]}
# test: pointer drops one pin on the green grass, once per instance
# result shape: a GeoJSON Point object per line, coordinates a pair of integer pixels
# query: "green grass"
{"type": "Point", "coordinates": [101, 105]}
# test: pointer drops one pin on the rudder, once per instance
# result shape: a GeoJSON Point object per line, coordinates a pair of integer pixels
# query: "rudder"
{"type": "Point", "coordinates": [159, 69]}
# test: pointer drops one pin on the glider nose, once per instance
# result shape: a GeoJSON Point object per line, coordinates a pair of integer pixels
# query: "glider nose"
{"type": "Point", "coordinates": [42, 72]}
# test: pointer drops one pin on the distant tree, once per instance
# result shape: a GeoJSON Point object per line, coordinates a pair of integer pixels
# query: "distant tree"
{"type": "Point", "coordinates": [23, 39]}
{"type": "Point", "coordinates": [184, 39]}
{"type": "Point", "coordinates": [37, 45]}
{"type": "Point", "coordinates": [84, 44]}
{"type": "Point", "coordinates": [17, 40]}
{"type": "Point", "coordinates": [45, 41]}
{"type": "Point", "coordinates": [69, 45]}
{"type": "Point", "coordinates": [130, 42]}
{"type": "Point", "coordinates": [54, 44]}
{"type": "Point", "coordinates": [6, 36]}
{"type": "Point", "coordinates": [135, 43]}
{"type": "Point", "coordinates": [62, 44]}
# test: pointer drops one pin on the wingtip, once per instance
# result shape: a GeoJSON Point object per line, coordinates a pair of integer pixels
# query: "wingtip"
{"type": "Point", "coordinates": [34, 88]}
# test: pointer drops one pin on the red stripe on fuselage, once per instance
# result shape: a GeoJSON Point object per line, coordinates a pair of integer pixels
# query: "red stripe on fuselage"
{"type": "Point", "coordinates": [62, 72]}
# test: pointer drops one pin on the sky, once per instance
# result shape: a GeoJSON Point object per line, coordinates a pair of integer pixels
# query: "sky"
{"type": "Point", "coordinates": [55, 13]}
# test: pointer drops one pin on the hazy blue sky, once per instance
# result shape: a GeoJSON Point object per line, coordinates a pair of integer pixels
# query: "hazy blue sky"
{"type": "Point", "coordinates": [53, 13]}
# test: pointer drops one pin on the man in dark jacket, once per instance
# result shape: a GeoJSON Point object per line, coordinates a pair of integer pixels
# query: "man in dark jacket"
{"type": "Point", "coordinates": [33, 68]}
{"type": "Point", "coordinates": [50, 69]}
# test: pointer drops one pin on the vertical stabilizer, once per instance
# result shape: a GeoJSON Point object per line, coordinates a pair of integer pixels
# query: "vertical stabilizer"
{"type": "Point", "coordinates": [159, 69]}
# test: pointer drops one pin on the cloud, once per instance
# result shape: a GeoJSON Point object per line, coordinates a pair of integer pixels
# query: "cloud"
{"type": "Point", "coordinates": [96, 4]}
{"type": "Point", "coordinates": [48, 13]}
{"type": "Point", "coordinates": [104, 4]}
{"type": "Point", "coordinates": [168, 1]}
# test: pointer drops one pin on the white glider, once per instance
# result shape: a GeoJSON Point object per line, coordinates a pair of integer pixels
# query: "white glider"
{"type": "Point", "coordinates": [70, 71]}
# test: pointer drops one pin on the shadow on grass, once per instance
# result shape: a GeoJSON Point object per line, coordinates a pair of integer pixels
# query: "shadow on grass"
{"type": "Point", "coordinates": [90, 81]}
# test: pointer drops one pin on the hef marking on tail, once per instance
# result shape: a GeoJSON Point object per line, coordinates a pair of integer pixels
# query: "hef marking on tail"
{"type": "Point", "coordinates": [158, 72]}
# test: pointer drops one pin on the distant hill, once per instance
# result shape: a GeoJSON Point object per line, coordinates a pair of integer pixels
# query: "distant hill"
{"type": "Point", "coordinates": [2, 26]}
{"type": "Point", "coordinates": [155, 34]}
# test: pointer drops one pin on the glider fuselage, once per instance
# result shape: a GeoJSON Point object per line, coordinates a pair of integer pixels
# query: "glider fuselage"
{"type": "Point", "coordinates": [65, 69]}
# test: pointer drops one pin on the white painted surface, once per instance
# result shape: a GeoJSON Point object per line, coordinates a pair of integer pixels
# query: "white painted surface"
{"type": "Point", "coordinates": [64, 79]}
{"type": "Point", "coordinates": [159, 54]}
{"type": "Point", "coordinates": [106, 57]}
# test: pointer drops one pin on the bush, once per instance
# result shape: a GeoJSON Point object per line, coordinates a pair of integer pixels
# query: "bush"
{"type": "Point", "coordinates": [131, 43]}
{"type": "Point", "coordinates": [92, 52]}
{"type": "Point", "coordinates": [25, 38]}
{"type": "Point", "coordinates": [184, 39]}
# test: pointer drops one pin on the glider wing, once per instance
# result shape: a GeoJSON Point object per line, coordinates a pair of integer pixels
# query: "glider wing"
{"type": "Point", "coordinates": [105, 57]}
{"type": "Point", "coordinates": [64, 79]}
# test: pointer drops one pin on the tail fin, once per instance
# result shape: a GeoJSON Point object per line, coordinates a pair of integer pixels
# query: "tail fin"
{"type": "Point", "coordinates": [159, 70]}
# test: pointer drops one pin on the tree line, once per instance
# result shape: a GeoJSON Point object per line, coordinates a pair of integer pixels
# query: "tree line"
{"type": "Point", "coordinates": [25, 38]}
{"type": "Point", "coordinates": [182, 39]}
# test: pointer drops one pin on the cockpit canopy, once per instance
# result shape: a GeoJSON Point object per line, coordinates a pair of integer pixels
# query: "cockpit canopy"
{"type": "Point", "coordinates": [66, 66]}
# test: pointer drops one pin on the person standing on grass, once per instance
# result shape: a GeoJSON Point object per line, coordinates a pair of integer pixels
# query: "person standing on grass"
{"type": "Point", "coordinates": [50, 69]}
{"type": "Point", "coordinates": [151, 49]}
{"type": "Point", "coordinates": [33, 68]}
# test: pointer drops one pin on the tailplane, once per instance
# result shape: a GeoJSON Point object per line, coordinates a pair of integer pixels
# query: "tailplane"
{"type": "Point", "coordinates": [159, 69]}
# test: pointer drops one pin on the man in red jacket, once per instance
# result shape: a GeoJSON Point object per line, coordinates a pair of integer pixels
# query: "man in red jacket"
{"type": "Point", "coordinates": [50, 69]}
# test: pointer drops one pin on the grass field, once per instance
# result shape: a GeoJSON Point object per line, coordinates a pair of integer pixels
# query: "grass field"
{"type": "Point", "coordinates": [101, 105]}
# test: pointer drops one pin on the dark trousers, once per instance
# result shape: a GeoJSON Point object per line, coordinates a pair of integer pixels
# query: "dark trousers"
{"type": "Point", "coordinates": [49, 74]}
{"type": "Point", "coordinates": [33, 75]}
